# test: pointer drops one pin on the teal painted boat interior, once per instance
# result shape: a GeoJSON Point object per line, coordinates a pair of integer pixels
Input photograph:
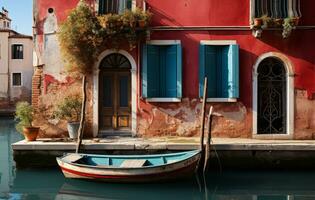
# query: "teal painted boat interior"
{"type": "Point", "coordinates": [150, 160]}
{"type": "Point", "coordinates": [36, 184]}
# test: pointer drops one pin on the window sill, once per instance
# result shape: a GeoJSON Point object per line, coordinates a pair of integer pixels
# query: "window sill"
{"type": "Point", "coordinates": [231, 100]}
{"type": "Point", "coordinates": [163, 100]}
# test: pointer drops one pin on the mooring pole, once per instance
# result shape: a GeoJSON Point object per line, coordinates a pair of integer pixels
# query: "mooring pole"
{"type": "Point", "coordinates": [203, 112]}
{"type": "Point", "coordinates": [208, 147]}
{"type": "Point", "coordinates": [202, 128]}
{"type": "Point", "coordinates": [81, 128]}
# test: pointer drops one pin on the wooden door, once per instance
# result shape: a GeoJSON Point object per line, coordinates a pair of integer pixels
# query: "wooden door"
{"type": "Point", "coordinates": [115, 98]}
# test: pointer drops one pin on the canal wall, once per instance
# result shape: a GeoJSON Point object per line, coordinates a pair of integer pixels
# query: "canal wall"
{"type": "Point", "coordinates": [225, 153]}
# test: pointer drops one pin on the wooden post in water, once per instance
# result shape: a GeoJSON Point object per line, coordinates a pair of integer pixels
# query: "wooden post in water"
{"type": "Point", "coordinates": [202, 128]}
{"type": "Point", "coordinates": [203, 112]}
{"type": "Point", "coordinates": [207, 152]}
{"type": "Point", "coordinates": [81, 128]}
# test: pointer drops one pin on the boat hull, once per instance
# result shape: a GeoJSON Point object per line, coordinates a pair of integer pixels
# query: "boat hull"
{"type": "Point", "coordinates": [177, 170]}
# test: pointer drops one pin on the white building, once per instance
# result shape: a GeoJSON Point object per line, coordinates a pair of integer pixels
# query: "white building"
{"type": "Point", "coordinates": [16, 63]}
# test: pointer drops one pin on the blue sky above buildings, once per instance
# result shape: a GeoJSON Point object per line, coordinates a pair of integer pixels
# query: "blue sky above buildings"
{"type": "Point", "coordinates": [20, 11]}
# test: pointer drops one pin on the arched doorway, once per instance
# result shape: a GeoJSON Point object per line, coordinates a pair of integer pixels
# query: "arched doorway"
{"type": "Point", "coordinates": [271, 97]}
{"type": "Point", "coordinates": [115, 93]}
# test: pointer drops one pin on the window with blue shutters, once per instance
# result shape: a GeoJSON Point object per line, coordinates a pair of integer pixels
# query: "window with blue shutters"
{"type": "Point", "coordinates": [162, 71]}
{"type": "Point", "coordinates": [220, 64]}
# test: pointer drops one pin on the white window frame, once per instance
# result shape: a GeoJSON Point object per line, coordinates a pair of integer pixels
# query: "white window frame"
{"type": "Point", "coordinates": [18, 72]}
{"type": "Point", "coordinates": [163, 99]}
{"type": "Point", "coordinates": [219, 43]}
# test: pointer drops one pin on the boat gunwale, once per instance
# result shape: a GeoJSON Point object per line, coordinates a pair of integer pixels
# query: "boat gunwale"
{"type": "Point", "coordinates": [195, 153]}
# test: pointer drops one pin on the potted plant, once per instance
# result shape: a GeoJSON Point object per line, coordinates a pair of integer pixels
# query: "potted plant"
{"type": "Point", "coordinates": [278, 22]}
{"type": "Point", "coordinates": [288, 25]}
{"type": "Point", "coordinates": [295, 20]}
{"type": "Point", "coordinates": [258, 22]}
{"type": "Point", "coordinates": [266, 21]}
{"type": "Point", "coordinates": [70, 109]}
{"type": "Point", "coordinates": [24, 114]}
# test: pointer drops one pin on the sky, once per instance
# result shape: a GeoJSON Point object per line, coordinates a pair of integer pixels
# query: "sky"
{"type": "Point", "coordinates": [21, 14]}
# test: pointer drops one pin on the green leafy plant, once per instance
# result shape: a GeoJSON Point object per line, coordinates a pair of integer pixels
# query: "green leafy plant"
{"type": "Point", "coordinates": [79, 37]}
{"type": "Point", "coordinates": [69, 109]}
{"type": "Point", "coordinates": [83, 35]}
{"type": "Point", "coordinates": [289, 24]}
{"type": "Point", "coordinates": [24, 115]}
{"type": "Point", "coordinates": [266, 21]}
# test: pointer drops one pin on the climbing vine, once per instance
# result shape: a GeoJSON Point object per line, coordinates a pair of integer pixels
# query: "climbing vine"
{"type": "Point", "coordinates": [83, 35]}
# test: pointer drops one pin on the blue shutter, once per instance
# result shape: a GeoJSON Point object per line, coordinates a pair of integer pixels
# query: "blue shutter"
{"type": "Point", "coordinates": [202, 66]}
{"type": "Point", "coordinates": [150, 71]}
{"type": "Point", "coordinates": [224, 72]}
{"type": "Point", "coordinates": [233, 71]}
{"type": "Point", "coordinates": [170, 71]}
{"type": "Point", "coordinates": [211, 71]}
{"type": "Point", "coordinates": [162, 71]}
{"type": "Point", "coordinates": [179, 71]}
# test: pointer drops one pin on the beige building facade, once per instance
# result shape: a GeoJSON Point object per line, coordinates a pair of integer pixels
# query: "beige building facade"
{"type": "Point", "coordinates": [16, 64]}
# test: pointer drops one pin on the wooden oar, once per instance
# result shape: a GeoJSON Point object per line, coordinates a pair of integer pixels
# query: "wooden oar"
{"type": "Point", "coordinates": [81, 128]}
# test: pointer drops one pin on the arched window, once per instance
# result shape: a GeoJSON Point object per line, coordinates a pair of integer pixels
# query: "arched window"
{"type": "Point", "coordinates": [272, 93]}
{"type": "Point", "coordinates": [115, 61]}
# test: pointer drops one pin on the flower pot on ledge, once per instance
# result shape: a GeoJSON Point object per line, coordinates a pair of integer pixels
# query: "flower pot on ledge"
{"type": "Point", "coordinates": [141, 23]}
{"type": "Point", "coordinates": [30, 133]}
{"type": "Point", "coordinates": [295, 21]}
{"type": "Point", "coordinates": [258, 22]}
{"type": "Point", "coordinates": [73, 128]}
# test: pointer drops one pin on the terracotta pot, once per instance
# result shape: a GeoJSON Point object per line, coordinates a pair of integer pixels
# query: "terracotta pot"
{"type": "Point", "coordinates": [141, 23]}
{"type": "Point", "coordinates": [258, 22]}
{"type": "Point", "coordinates": [295, 21]}
{"type": "Point", "coordinates": [30, 133]}
{"type": "Point", "coordinates": [278, 22]}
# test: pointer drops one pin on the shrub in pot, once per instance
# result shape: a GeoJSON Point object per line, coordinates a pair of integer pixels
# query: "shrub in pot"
{"type": "Point", "coordinates": [24, 114]}
{"type": "Point", "coordinates": [70, 109]}
{"type": "Point", "coordinates": [288, 25]}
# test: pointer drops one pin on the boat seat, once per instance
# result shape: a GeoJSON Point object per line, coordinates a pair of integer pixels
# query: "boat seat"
{"type": "Point", "coordinates": [72, 158]}
{"type": "Point", "coordinates": [172, 161]}
{"type": "Point", "coordinates": [133, 163]}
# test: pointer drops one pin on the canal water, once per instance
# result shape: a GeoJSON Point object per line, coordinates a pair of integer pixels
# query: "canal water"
{"type": "Point", "coordinates": [228, 185]}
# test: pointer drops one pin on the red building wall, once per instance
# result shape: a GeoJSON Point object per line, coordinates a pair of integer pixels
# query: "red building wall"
{"type": "Point", "coordinates": [182, 118]}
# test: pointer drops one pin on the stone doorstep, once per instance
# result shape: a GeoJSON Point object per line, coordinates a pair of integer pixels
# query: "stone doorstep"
{"type": "Point", "coordinates": [168, 144]}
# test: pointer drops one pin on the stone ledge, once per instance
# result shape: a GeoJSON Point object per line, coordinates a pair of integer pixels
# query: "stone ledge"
{"type": "Point", "coordinates": [169, 144]}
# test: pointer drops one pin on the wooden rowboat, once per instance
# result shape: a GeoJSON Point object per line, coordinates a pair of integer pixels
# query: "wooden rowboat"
{"type": "Point", "coordinates": [129, 168]}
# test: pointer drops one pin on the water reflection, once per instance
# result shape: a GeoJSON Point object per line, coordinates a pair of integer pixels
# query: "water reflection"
{"type": "Point", "coordinates": [8, 135]}
{"type": "Point", "coordinates": [51, 184]}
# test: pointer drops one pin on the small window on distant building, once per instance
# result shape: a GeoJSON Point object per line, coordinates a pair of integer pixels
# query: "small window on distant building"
{"type": "Point", "coordinates": [16, 79]}
{"type": "Point", "coordinates": [17, 51]}
{"type": "Point", "coordinates": [3, 24]}
{"type": "Point", "coordinates": [113, 6]}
